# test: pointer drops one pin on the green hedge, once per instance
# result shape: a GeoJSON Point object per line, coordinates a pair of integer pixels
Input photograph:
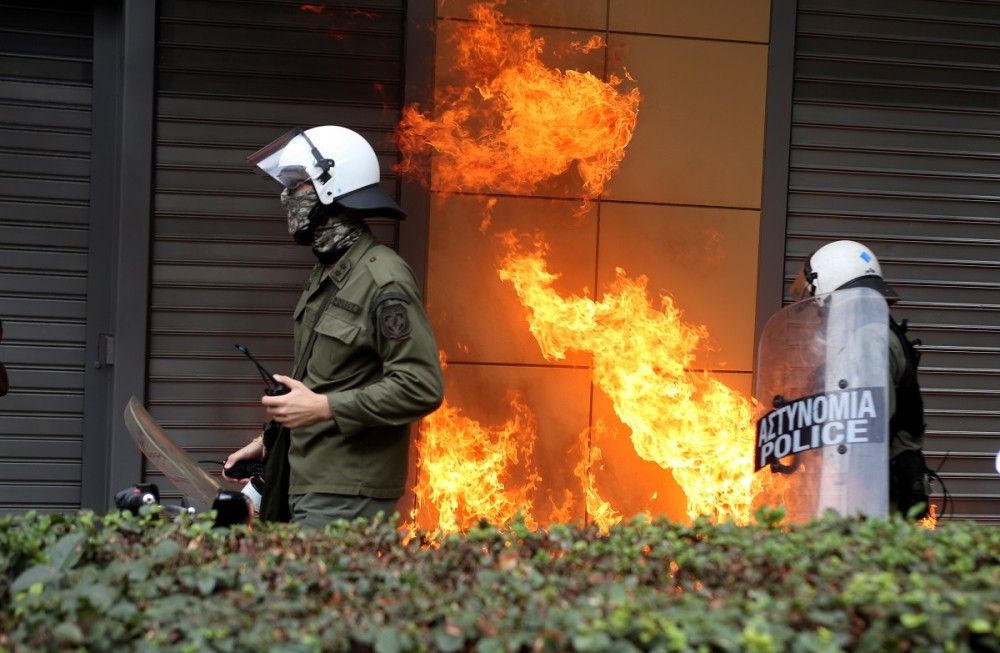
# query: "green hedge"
{"type": "Point", "coordinates": [118, 582]}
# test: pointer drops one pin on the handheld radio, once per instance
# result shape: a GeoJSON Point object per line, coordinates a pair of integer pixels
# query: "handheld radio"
{"type": "Point", "coordinates": [271, 387]}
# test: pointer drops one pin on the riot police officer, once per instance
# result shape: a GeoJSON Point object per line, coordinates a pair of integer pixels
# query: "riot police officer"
{"type": "Point", "coordinates": [364, 349]}
{"type": "Point", "coordinates": [848, 264]}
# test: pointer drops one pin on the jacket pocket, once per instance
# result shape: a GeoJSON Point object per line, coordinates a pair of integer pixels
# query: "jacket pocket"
{"type": "Point", "coordinates": [332, 326]}
{"type": "Point", "coordinates": [334, 353]}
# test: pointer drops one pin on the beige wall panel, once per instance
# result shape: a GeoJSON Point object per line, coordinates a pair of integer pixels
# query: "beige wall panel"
{"type": "Point", "coordinates": [476, 316]}
{"type": "Point", "coordinates": [630, 484]}
{"type": "Point", "coordinates": [739, 20]}
{"type": "Point", "coordinates": [706, 259]}
{"type": "Point", "coordinates": [582, 14]}
{"type": "Point", "coordinates": [700, 134]}
{"type": "Point", "coordinates": [561, 52]}
{"type": "Point", "coordinates": [559, 400]}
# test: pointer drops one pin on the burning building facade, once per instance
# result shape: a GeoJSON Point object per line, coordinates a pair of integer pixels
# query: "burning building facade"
{"type": "Point", "coordinates": [606, 201]}
{"type": "Point", "coordinates": [579, 257]}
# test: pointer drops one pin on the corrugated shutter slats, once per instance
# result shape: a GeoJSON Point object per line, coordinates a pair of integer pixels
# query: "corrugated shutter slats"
{"type": "Point", "coordinates": [45, 138]}
{"type": "Point", "coordinates": [233, 75]}
{"type": "Point", "coordinates": [895, 134]}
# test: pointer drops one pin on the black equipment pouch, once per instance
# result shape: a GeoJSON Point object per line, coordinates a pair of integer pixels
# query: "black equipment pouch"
{"type": "Point", "coordinates": [137, 496]}
{"type": "Point", "coordinates": [246, 469]}
{"type": "Point", "coordinates": [231, 508]}
{"type": "Point", "coordinates": [277, 473]}
{"type": "Point", "coordinates": [909, 415]}
{"type": "Point", "coordinates": [909, 482]}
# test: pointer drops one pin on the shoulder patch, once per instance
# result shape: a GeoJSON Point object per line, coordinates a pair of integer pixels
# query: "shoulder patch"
{"type": "Point", "coordinates": [393, 322]}
{"type": "Point", "coordinates": [388, 296]}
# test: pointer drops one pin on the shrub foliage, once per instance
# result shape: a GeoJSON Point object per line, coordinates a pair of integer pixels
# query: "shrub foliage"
{"type": "Point", "coordinates": [118, 582]}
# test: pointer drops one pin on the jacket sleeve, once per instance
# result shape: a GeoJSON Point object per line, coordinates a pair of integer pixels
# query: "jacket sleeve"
{"type": "Point", "coordinates": [411, 385]}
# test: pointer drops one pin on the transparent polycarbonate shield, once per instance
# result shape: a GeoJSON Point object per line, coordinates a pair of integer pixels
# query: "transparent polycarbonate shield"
{"type": "Point", "coordinates": [822, 437]}
{"type": "Point", "coordinates": [163, 453]}
{"type": "Point", "coordinates": [268, 159]}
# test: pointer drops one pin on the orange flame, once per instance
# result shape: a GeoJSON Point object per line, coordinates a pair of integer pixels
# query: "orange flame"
{"type": "Point", "coordinates": [469, 472]}
{"type": "Point", "coordinates": [684, 421]}
{"type": "Point", "coordinates": [513, 125]}
{"type": "Point", "coordinates": [593, 43]}
{"type": "Point", "coordinates": [518, 123]}
{"type": "Point", "coordinates": [599, 509]}
{"type": "Point", "coordinates": [930, 521]}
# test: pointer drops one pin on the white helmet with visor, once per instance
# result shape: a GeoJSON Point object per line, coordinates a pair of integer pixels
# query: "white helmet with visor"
{"type": "Point", "coordinates": [339, 162]}
{"type": "Point", "coordinates": [840, 264]}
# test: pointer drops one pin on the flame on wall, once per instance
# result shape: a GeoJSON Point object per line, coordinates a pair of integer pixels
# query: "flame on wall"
{"type": "Point", "coordinates": [684, 421]}
{"type": "Point", "coordinates": [599, 510]}
{"type": "Point", "coordinates": [514, 124]}
{"type": "Point", "coordinates": [468, 471]}
{"type": "Point", "coordinates": [517, 122]}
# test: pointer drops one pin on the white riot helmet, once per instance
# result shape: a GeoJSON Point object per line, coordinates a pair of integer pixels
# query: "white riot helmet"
{"type": "Point", "coordinates": [840, 264]}
{"type": "Point", "coordinates": [340, 163]}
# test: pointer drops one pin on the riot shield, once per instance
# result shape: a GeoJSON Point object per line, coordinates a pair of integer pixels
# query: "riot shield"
{"type": "Point", "coordinates": [822, 375]}
{"type": "Point", "coordinates": [194, 483]}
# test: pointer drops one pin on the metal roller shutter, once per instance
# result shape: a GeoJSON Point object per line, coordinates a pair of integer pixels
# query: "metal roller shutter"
{"type": "Point", "coordinates": [45, 127]}
{"type": "Point", "coordinates": [233, 75]}
{"type": "Point", "coordinates": [895, 133]}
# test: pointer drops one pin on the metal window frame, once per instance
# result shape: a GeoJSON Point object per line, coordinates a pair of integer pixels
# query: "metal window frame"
{"type": "Point", "coordinates": [777, 137]}
{"type": "Point", "coordinates": [123, 116]}
{"type": "Point", "coordinates": [418, 78]}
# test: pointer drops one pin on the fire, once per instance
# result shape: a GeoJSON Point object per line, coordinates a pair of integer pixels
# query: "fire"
{"type": "Point", "coordinates": [599, 510]}
{"type": "Point", "coordinates": [930, 521]}
{"type": "Point", "coordinates": [684, 421]}
{"type": "Point", "coordinates": [593, 43]}
{"type": "Point", "coordinates": [518, 122]}
{"type": "Point", "coordinates": [512, 124]}
{"type": "Point", "coordinates": [469, 472]}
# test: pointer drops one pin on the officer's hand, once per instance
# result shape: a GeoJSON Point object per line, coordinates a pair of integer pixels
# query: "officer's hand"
{"type": "Point", "coordinates": [252, 451]}
{"type": "Point", "coordinates": [300, 407]}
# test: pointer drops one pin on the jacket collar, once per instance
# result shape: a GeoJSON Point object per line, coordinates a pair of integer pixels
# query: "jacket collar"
{"type": "Point", "coordinates": [340, 270]}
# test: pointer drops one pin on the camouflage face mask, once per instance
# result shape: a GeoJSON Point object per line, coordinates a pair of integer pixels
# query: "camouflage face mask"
{"type": "Point", "coordinates": [300, 204]}
{"type": "Point", "coordinates": [328, 229]}
{"type": "Point", "coordinates": [336, 235]}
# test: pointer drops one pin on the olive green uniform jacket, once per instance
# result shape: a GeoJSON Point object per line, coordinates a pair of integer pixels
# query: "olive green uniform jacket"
{"type": "Point", "coordinates": [376, 361]}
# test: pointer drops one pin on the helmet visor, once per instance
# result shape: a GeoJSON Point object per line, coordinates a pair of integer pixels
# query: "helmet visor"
{"type": "Point", "coordinates": [267, 160]}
